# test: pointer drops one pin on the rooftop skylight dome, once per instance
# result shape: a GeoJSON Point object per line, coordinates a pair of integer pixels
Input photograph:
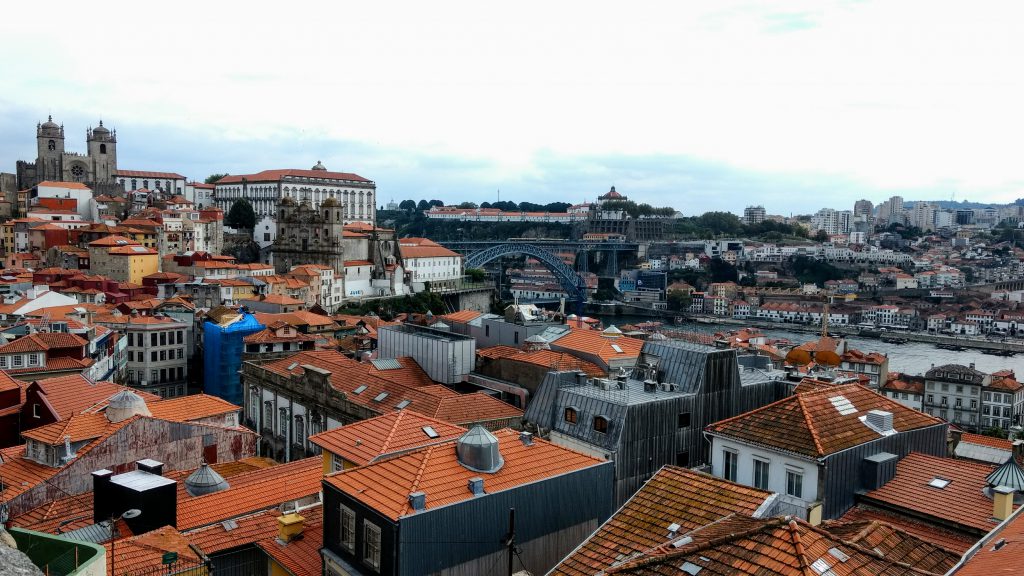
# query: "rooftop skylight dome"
{"type": "Point", "coordinates": [124, 405]}
{"type": "Point", "coordinates": [1010, 475]}
{"type": "Point", "coordinates": [478, 451]}
{"type": "Point", "coordinates": [205, 480]}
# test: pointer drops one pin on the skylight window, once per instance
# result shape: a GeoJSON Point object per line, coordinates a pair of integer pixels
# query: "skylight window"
{"type": "Point", "coordinates": [939, 483]}
{"type": "Point", "coordinates": [292, 366]}
{"type": "Point", "coordinates": [403, 404]}
{"type": "Point", "coordinates": [617, 348]}
{"type": "Point", "coordinates": [691, 568]}
{"type": "Point", "coordinates": [821, 566]}
{"type": "Point", "coordinates": [430, 432]}
{"type": "Point", "coordinates": [843, 405]}
{"type": "Point", "coordinates": [359, 389]}
{"type": "Point", "coordinates": [380, 396]}
{"type": "Point", "coordinates": [838, 554]}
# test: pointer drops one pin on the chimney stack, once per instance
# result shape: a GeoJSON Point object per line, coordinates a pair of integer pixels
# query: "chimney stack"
{"type": "Point", "coordinates": [476, 486]}
{"type": "Point", "coordinates": [526, 438]}
{"type": "Point", "coordinates": [101, 507]}
{"type": "Point", "coordinates": [418, 501]}
{"type": "Point", "coordinates": [1002, 502]}
{"type": "Point", "coordinates": [289, 527]}
{"type": "Point", "coordinates": [151, 466]}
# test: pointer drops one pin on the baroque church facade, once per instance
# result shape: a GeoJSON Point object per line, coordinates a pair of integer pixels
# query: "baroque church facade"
{"type": "Point", "coordinates": [308, 235]}
{"type": "Point", "coordinates": [96, 168]}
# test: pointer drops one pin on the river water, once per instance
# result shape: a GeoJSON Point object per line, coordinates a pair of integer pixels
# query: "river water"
{"type": "Point", "coordinates": [911, 358]}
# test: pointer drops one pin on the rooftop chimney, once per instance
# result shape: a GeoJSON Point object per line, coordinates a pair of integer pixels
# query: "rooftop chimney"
{"type": "Point", "coordinates": [101, 509]}
{"type": "Point", "coordinates": [476, 486]}
{"type": "Point", "coordinates": [526, 438]}
{"type": "Point", "coordinates": [877, 470]}
{"type": "Point", "coordinates": [289, 527]}
{"type": "Point", "coordinates": [151, 466]}
{"type": "Point", "coordinates": [418, 501]}
{"type": "Point", "coordinates": [1002, 502]}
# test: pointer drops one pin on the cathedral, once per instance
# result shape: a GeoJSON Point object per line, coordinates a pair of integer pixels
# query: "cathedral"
{"type": "Point", "coordinates": [96, 167]}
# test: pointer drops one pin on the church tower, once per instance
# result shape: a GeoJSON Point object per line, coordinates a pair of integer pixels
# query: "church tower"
{"type": "Point", "coordinates": [50, 145]}
{"type": "Point", "coordinates": [102, 149]}
{"type": "Point", "coordinates": [334, 223]}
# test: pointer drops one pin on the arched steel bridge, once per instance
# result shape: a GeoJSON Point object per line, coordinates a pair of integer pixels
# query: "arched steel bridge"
{"type": "Point", "coordinates": [573, 284]}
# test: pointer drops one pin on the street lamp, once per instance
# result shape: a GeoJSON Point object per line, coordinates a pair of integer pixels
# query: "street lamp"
{"type": "Point", "coordinates": [127, 515]}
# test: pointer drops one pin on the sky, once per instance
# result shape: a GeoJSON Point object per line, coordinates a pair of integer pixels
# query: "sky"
{"type": "Point", "coordinates": [794, 105]}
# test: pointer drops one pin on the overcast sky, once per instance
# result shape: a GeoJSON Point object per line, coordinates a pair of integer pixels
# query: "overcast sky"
{"type": "Point", "coordinates": [699, 105]}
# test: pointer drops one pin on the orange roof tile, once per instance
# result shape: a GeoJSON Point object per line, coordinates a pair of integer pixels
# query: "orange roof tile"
{"type": "Point", "coordinates": [20, 474]}
{"type": "Point", "coordinates": [58, 184]}
{"type": "Point", "coordinates": [300, 557]}
{"type": "Point", "coordinates": [370, 440]}
{"type": "Point", "coordinates": [144, 553]}
{"type": "Point", "coordinates": [250, 528]}
{"type": "Point", "coordinates": [594, 343]}
{"type": "Point", "coordinates": [42, 342]}
{"type": "Point", "coordinates": [385, 486]}
{"type": "Point", "coordinates": [253, 491]}
{"type": "Point", "coordinates": [476, 408]}
{"type": "Point", "coordinates": [114, 240]}
{"type": "Point", "coordinates": [77, 426]}
{"type": "Point", "coordinates": [961, 502]}
{"type": "Point", "coordinates": [560, 361]}
{"type": "Point", "coordinates": [462, 316]}
{"type": "Point", "coordinates": [810, 424]}
{"type": "Point", "coordinates": [986, 441]}
{"type": "Point", "coordinates": [190, 408]}
{"type": "Point", "coordinates": [673, 495]}
{"type": "Point", "coordinates": [895, 544]}
{"type": "Point", "coordinates": [999, 553]}
{"type": "Point", "coordinates": [277, 175]}
{"type": "Point", "coordinates": [148, 174]}
{"type": "Point", "coordinates": [947, 539]}
{"type": "Point", "coordinates": [74, 393]}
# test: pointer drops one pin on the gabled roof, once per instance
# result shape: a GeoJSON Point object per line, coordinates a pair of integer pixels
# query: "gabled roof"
{"type": "Point", "coordinates": [462, 316]}
{"type": "Point", "coordinates": [895, 544]}
{"type": "Point", "coordinates": [957, 542]}
{"type": "Point", "coordinates": [998, 553]}
{"type": "Point", "coordinates": [672, 496]}
{"type": "Point", "coordinates": [75, 394]}
{"type": "Point", "coordinates": [593, 343]}
{"type": "Point", "coordinates": [148, 174]}
{"type": "Point", "coordinates": [277, 175]}
{"type": "Point", "coordinates": [961, 502]}
{"type": "Point", "coordinates": [143, 553]}
{"type": "Point", "coordinates": [191, 408]}
{"type": "Point", "coordinates": [370, 440]}
{"type": "Point", "coordinates": [248, 529]}
{"type": "Point", "coordinates": [435, 470]}
{"type": "Point", "coordinates": [42, 342]}
{"type": "Point", "coordinates": [557, 361]}
{"type": "Point", "coordinates": [819, 422]}
{"type": "Point", "coordinates": [741, 546]}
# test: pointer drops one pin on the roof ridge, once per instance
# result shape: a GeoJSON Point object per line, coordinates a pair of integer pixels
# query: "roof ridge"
{"type": "Point", "coordinates": [791, 528]}
{"type": "Point", "coordinates": [391, 433]}
{"type": "Point", "coordinates": [810, 426]}
{"type": "Point", "coordinates": [754, 411]}
{"type": "Point", "coordinates": [419, 474]}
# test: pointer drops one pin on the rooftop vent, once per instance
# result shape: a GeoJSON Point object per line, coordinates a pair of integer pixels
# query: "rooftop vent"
{"type": "Point", "coordinates": [880, 420]}
{"type": "Point", "coordinates": [684, 541]}
{"type": "Point", "coordinates": [418, 501]}
{"type": "Point", "coordinates": [673, 528]}
{"type": "Point", "coordinates": [205, 480]}
{"type": "Point", "coordinates": [650, 386]}
{"type": "Point", "coordinates": [526, 438]}
{"type": "Point", "coordinates": [476, 486]}
{"type": "Point", "coordinates": [478, 451]}
{"type": "Point", "coordinates": [124, 405]}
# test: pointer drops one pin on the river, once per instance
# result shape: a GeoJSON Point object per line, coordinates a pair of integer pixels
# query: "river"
{"type": "Point", "coordinates": [911, 358]}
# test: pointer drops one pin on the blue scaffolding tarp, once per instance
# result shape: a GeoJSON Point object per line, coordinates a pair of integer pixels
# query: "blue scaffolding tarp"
{"type": "Point", "coordinates": [222, 356]}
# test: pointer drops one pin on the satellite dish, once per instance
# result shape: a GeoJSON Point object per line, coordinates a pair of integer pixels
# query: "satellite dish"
{"type": "Point", "coordinates": [133, 513]}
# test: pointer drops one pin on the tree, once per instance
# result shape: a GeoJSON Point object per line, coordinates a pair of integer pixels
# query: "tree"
{"type": "Point", "coordinates": [476, 274]}
{"type": "Point", "coordinates": [213, 178]}
{"type": "Point", "coordinates": [241, 215]}
{"type": "Point", "coordinates": [678, 300]}
{"type": "Point", "coordinates": [407, 205]}
{"type": "Point", "coordinates": [467, 205]}
{"type": "Point", "coordinates": [725, 223]}
{"type": "Point", "coordinates": [721, 271]}
{"type": "Point", "coordinates": [423, 206]}
{"type": "Point", "coordinates": [436, 203]}
{"type": "Point", "coordinates": [821, 236]}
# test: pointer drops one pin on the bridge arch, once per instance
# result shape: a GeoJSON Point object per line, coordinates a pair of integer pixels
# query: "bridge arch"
{"type": "Point", "coordinates": [573, 284]}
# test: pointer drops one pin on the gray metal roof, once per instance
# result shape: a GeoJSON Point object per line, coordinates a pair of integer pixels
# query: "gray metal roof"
{"type": "Point", "coordinates": [981, 453]}
{"type": "Point", "coordinates": [205, 480]}
{"type": "Point", "coordinates": [385, 364]}
{"type": "Point", "coordinates": [1009, 475]}
{"type": "Point", "coordinates": [140, 480]}
{"type": "Point", "coordinates": [94, 533]}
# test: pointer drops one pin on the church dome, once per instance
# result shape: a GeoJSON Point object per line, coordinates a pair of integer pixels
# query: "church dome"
{"type": "Point", "coordinates": [478, 451]}
{"type": "Point", "coordinates": [100, 129]}
{"type": "Point", "coordinates": [319, 166]}
{"type": "Point", "coordinates": [330, 202]}
{"type": "Point", "coordinates": [612, 195]}
{"type": "Point", "coordinates": [205, 480]}
{"type": "Point", "coordinates": [50, 123]}
{"type": "Point", "coordinates": [124, 405]}
{"type": "Point", "coordinates": [288, 201]}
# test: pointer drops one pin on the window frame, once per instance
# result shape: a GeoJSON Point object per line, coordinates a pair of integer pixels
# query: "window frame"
{"type": "Point", "coordinates": [371, 555]}
{"type": "Point", "coordinates": [350, 526]}
{"type": "Point", "coordinates": [756, 472]}
{"type": "Point", "coordinates": [573, 412]}
{"type": "Point", "coordinates": [603, 429]}
{"type": "Point", "coordinates": [792, 473]}
{"type": "Point", "coordinates": [730, 464]}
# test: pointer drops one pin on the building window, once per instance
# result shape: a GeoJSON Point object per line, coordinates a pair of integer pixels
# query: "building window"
{"type": "Point", "coordinates": [683, 459]}
{"type": "Point", "coordinates": [571, 416]}
{"type": "Point", "coordinates": [795, 483]}
{"type": "Point", "coordinates": [761, 469]}
{"type": "Point", "coordinates": [283, 421]}
{"type": "Point", "coordinates": [299, 437]}
{"type": "Point", "coordinates": [684, 419]}
{"type": "Point", "coordinates": [730, 460]}
{"type": "Point", "coordinates": [601, 424]}
{"type": "Point", "coordinates": [18, 361]}
{"type": "Point", "coordinates": [371, 545]}
{"type": "Point", "coordinates": [347, 530]}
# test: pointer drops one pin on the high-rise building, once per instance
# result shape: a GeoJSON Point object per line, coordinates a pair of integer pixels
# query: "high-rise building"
{"type": "Point", "coordinates": [753, 215]}
{"type": "Point", "coordinates": [863, 208]}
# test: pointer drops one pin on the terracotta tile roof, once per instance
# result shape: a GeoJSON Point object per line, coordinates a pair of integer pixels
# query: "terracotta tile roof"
{"type": "Point", "coordinates": [358, 263]}
{"type": "Point", "coordinates": [741, 545]}
{"type": "Point", "coordinates": [144, 553]}
{"type": "Point", "coordinates": [462, 316]}
{"type": "Point", "coordinates": [20, 474]}
{"type": "Point", "coordinates": [475, 408]}
{"type": "Point", "coordinates": [273, 299]}
{"type": "Point", "coordinates": [190, 408]}
{"type": "Point", "coordinates": [991, 441]}
{"type": "Point", "coordinates": [673, 495]}
{"type": "Point", "coordinates": [961, 502]}
{"type": "Point", "coordinates": [43, 341]}
{"type": "Point", "coordinates": [268, 336]}
{"type": "Point", "coordinates": [114, 240]}
{"type": "Point", "coordinates": [370, 440]}
{"type": "Point", "coordinates": [999, 553]}
{"type": "Point", "coordinates": [899, 382]}
{"type": "Point", "coordinates": [385, 486]}
{"type": "Point", "coordinates": [810, 424]}
{"type": "Point", "coordinates": [410, 373]}
{"type": "Point", "coordinates": [68, 513]}
{"type": "Point", "coordinates": [948, 539]}
{"type": "Point", "coordinates": [424, 248]}
{"type": "Point", "coordinates": [253, 491]}
{"type": "Point", "coordinates": [895, 544]}
{"type": "Point", "coordinates": [132, 251]}
{"type": "Point", "coordinates": [58, 184]}
{"type": "Point", "coordinates": [300, 557]}
{"type": "Point", "coordinates": [75, 394]}
{"type": "Point", "coordinates": [61, 363]}
{"type": "Point", "coordinates": [296, 318]}
{"type": "Point", "coordinates": [277, 175]}
{"type": "Point", "coordinates": [250, 529]}
{"type": "Point", "coordinates": [592, 342]}
{"type": "Point", "coordinates": [559, 361]}
{"type": "Point", "coordinates": [78, 426]}
{"type": "Point", "coordinates": [7, 383]}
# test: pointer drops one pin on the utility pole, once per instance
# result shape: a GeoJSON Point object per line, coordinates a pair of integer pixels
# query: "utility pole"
{"type": "Point", "coordinates": [511, 539]}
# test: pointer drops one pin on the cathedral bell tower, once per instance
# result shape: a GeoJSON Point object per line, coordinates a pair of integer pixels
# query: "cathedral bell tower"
{"type": "Point", "coordinates": [102, 147]}
{"type": "Point", "coordinates": [50, 145]}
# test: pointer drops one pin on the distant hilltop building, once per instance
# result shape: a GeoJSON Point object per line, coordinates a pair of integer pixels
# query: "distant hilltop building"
{"type": "Point", "coordinates": [53, 163]}
{"type": "Point", "coordinates": [266, 189]}
{"type": "Point", "coordinates": [754, 215]}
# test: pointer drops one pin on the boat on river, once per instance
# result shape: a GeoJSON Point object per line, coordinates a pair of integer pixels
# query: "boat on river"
{"type": "Point", "coordinates": [953, 347]}
{"type": "Point", "coordinates": [991, 352]}
{"type": "Point", "coordinates": [894, 340]}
